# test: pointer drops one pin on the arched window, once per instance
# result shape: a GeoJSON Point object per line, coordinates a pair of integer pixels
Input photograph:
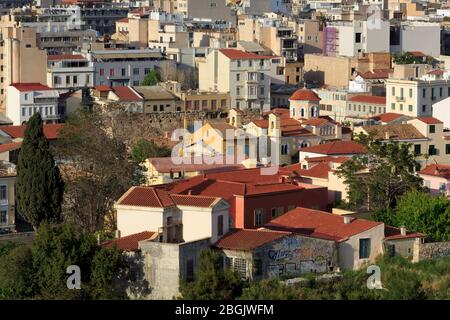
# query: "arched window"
{"type": "Point", "coordinates": [293, 112]}
{"type": "Point", "coordinates": [302, 112]}
{"type": "Point", "coordinates": [272, 125]}
{"type": "Point", "coordinates": [313, 112]}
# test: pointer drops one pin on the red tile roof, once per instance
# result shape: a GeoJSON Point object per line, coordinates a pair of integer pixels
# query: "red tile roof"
{"type": "Point", "coordinates": [304, 95]}
{"type": "Point", "coordinates": [315, 121]}
{"type": "Point", "coordinates": [418, 54]}
{"type": "Point", "coordinates": [375, 74]}
{"type": "Point", "coordinates": [319, 170]}
{"type": "Point", "coordinates": [103, 88]}
{"type": "Point", "coordinates": [32, 86]}
{"type": "Point", "coordinates": [437, 170]}
{"type": "Point", "coordinates": [146, 197]}
{"type": "Point", "coordinates": [320, 224]}
{"type": "Point", "coordinates": [338, 159]}
{"type": "Point", "coordinates": [130, 242]}
{"type": "Point", "coordinates": [369, 99]}
{"type": "Point", "coordinates": [429, 120]}
{"type": "Point", "coordinates": [160, 198]}
{"type": "Point", "coordinates": [194, 164]}
{"type": "Point", "coordinates": [393, 233]}
{"type": "Point", "coordinates": [289, 127]}
{"type": "Point", "coordinates": [387, 117]}
{"type": "Point", "coordinates": [6, 147]}
{"type": "Point", "coordinates": [437, 72]}
{"type": "Point", "coordinates": [50, 131]}
{"type": "Point", "coordinates": [126, 94]}
{"type": "Point", "coordinates": [57, 57]}
{"type": "Point", "coordinates": [194, 201]}
{"type": "Point", "coordinates": [248, 239]}
{"type": "Point", "coordinates": [336, 148]}
{"type": "Point", "coordinates": [125, 20]}
{"type": "Point", "coordinates": [234, 54]}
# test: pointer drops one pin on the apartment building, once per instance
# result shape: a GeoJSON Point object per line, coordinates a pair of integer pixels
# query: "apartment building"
{"type": "Point", "coordinates": [126, 67]}
{"type": "Point", "coordinates": [197, 100]}
{"type": "Point", "coordinates": [309, 35]}
{"type": "Point", "coordinates": [353, 38]}
{"type": "Point", "coordinates": [426, 135]}
{"type": "Point", "coordinates": [25, 99]}
{"type": "Point", "coordinates": [69, 71]}
{"type": "Point", "coordinates": [246, 76]}
{"type": "Point", "coordinates": [416, 96]}
{"type": "Point", "coordinates": [21, 61]}
{"type": "Point", "coordinates": [405, 35]}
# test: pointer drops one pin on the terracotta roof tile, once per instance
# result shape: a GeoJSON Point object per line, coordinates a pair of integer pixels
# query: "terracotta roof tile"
{"type": "Point", "coordinates": [126, 94]}
{"type": "Point", "coordinates": [429, 120]}
{"type": "Point", "coordinates": [304, 95]}
{"type": "Point", "coordinates": [194, 201]}
{"type": "Point", "coordinates": [387, 117]}
{"type": "Point", "coordinates": [396, 131]}
{"type": "Point", "coordinates": [146, 197]}
{"type": "Point", "coordinates": [393, 233]}
{"type": "Point", "coordinates": [32, 86]}
{"type": "Point", "coordinates": [50, 131]}
{"type": "Point", "coordinates": [437, 170]}
{"type": "Point", "coordinates": [246, 239]}
{"type": "Point", "coordinates": [10, 146]}
{"type": "Point", "coordinates": [369, 99]}
{"type": "Point", "coordinates": [234, 54]}
{"type": "Point", "coordinates": [336, 148]}
{"type": "Point", "coordinates": [320, 224]}
{"type": "Point", "coordinates": [130, 242]}
{"type": "Point", "coordinates": [191, 164]}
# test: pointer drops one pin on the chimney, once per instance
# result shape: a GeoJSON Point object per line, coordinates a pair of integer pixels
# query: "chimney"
{"type": "Point", "coordinates": [403, 230]}
{"type": "Point", "coordinates": [117, 234]}
{"type": "Point", "coordinates": [190, 192]}
{"type": "Point", "coordinates": [347, 219]}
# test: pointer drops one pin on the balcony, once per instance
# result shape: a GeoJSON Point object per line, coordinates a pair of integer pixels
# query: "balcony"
{"type": "Point", "coordinates": [400, 99]}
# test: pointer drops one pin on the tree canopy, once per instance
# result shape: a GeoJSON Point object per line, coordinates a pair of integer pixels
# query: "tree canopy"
{"type": "Point", "coordinates": [212, 281]}
{"type": "Point", "coordinates": [39, 185]}
{"type": "Point", "coordinates": [375, 180]}
{"type": "Point", "coordinates": [97, 170]}
{"type": "Point", "coordinates": [145, 149]}
{"type": "Point", "coordinates": [39, 272]}
{"type": "Point", "coordinates": [152, 78]}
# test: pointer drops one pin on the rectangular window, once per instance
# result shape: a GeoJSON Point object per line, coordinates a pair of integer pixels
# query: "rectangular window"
{"type": "Point", "coordinates": [259, 217]}
{"type": "Point", "coordinates": [24, 112]}
{"type": "Point", "coordinates": [417, 149]}
{"type": "Point", "coordinates": [102, 72]}
{"type": "Point", "coordinates": [432, 128]}
{"type": "Point", "coordinates": [240, 265]}
{"type": "Point", "coordinates": [123, 71]}
{"type": "Point", "coordinates": [238, 77]}
{"type": "Point", "coordinates": [364, 248]}
{"type": "Point", "coordinates": [447, 148]}
{"type": "Point", "coordinates": [358, 37]}
{"type": "Point", "coordinates": [136, 71]}
{"type": "Point", "coordinates": [393, 91]}
{"type": "Point", "coordinates": [431, 150]}
{"type": "Point", "coordinates": [3, 193]}
{"type": "Point", "coordinates": [410, 108]}
{"type": "Point", "coordinates": [111, 72]}
{"type": "Point", "coordinates": [392, 106]}
{"type": "Point", "coordinates": [410, 93]}
{"type": "Point", "coordinates": [3, 217]}
{"type": "Point", "coordinates": [424, 93]}
{"type": "Point", "coordinates": [220, 225]}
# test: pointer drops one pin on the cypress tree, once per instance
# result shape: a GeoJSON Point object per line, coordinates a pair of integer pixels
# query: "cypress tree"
{"type": "Point", "coordinates": [39, 185]}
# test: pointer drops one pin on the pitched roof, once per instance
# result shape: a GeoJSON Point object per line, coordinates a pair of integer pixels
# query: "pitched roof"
{"type": "Point", "coordinates": [336, 148]}
{"type": "Point", "coordinates": [10, 146]}
{"type": "Point", "coordinates": [194, 200]}
{"type": "Point", "coordinates": [397, 131]}
{"type": "Point", "coordinates": [160, 198]}
{"type": "Point", "coordinates": [190, 164]}
{"type": "Point", "coordinates": [32, 86]}
{"type": "Point", "coordinates": [304, 95]}
{"type": "Point", "coordinates": [248, 239]}
{"type": "Point", "coordinates": [234, 54]}
{"type": "Point", "coordinates": [393, 233]}
{"type": "Point", "coordinates": [320, 224]}
{"type": "Point", "coordinates": [50, 130]}
{"type": "Point", "coordinates": [429, 120]}
{"type": "Point", "coordinates": [125, 93]}
{"type": "Point", "coordinates": [387, 117]}
{"type": "Point", "coordinates": [437, 72]}
{"type": "Point", "coordinates": [289, 127]}
{"type": "Point", "coordinates": [146, 197]}
{"type": "Point", "coordinates": [369, 99]}
{"type": "Point", "coordinates": [57, 57]}
{"type": "Point", "coordinates": [103, 88]}
{"type": "Point", "coordinates": [437, 170]}
{"type": "Point", "coordinates": [130, 242]}
{"type": "Point", "coordinates": [375, 74]}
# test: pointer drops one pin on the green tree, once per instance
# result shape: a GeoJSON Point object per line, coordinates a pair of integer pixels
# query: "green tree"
{"type": "Point", "coordinates": [39, 185]}
{"type": "Point", "coordinates": [16, 273]}
{"type": "Point", "coordinates": [98, 171]}
{"type": "Point", "coordinates": [152, 78]}
{"type": "Point", "coordinates": [145, 149]}
{"type": "Point", "coordinates": [421, 212]}
{"type": "Point", "coordinates": [57, 247]}
{"type": "Point", "coordinates": [377, 178]}
{"type": "Point", "coordinates": [213, 281]}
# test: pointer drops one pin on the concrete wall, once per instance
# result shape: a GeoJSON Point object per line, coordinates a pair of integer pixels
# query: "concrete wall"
{"type": "Point", "coordinates": [165, 263]}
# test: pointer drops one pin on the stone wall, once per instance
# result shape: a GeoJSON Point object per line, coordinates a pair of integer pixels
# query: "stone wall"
{"type": "Point", "coordinates": [432, 250]}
